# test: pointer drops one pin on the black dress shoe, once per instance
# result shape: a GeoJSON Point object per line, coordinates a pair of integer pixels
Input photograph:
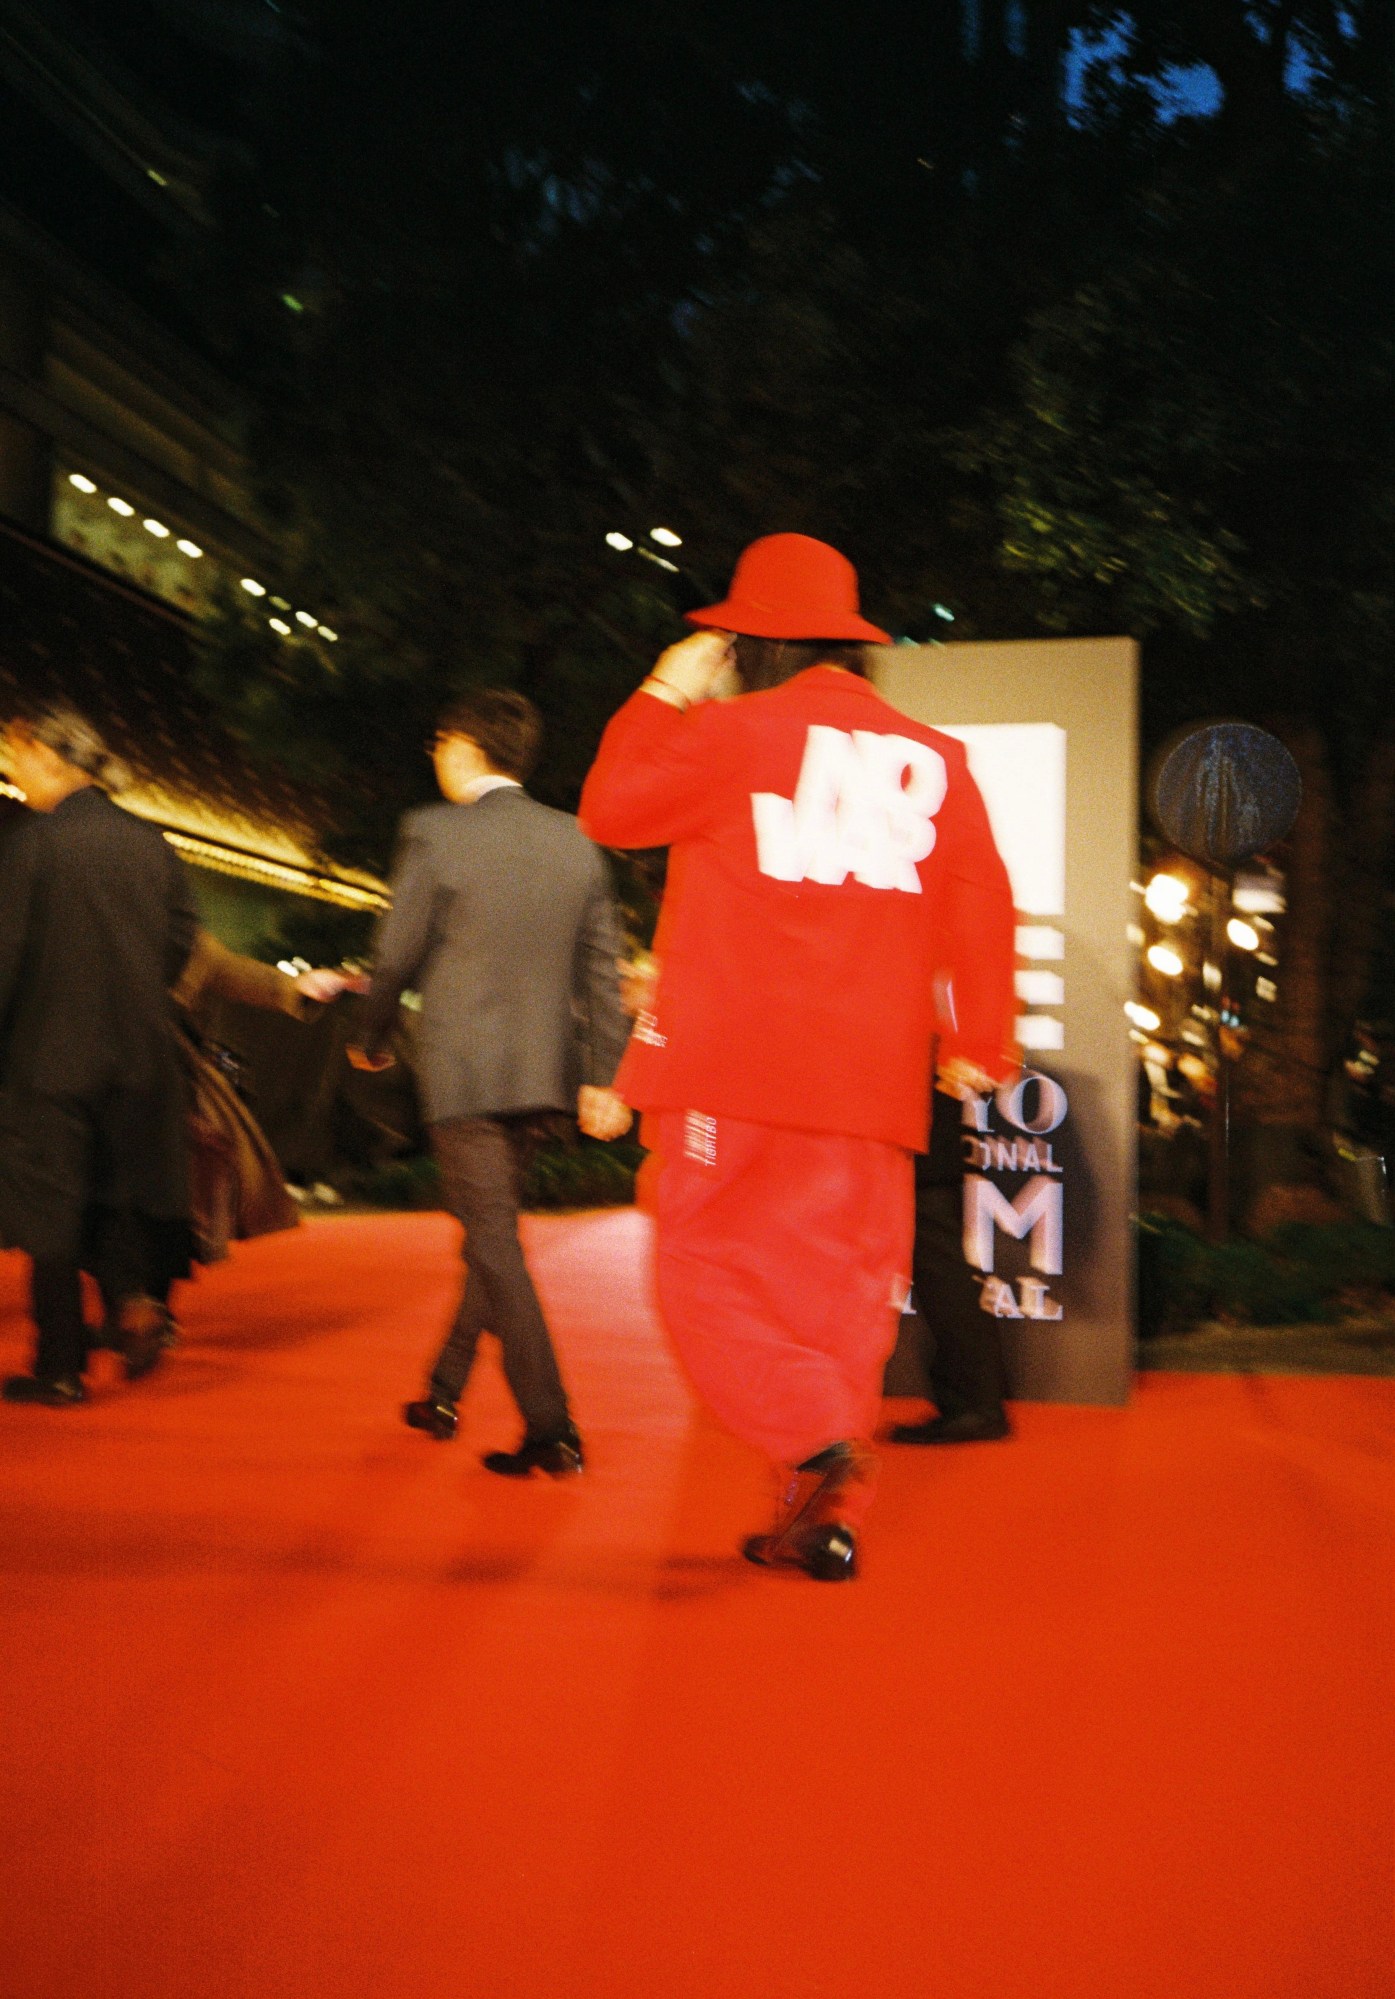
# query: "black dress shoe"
{"type": "Point", "coordinates": [970, 1428]}
{"type": "Point", "coordinates": [557, 1457]}
{"type": "Point", "coordinates": [828, 1553]}
{"type": "Point", "coordinates": [434, 1415]}
{"type": "Point", "coordinates": [62, 1391]}
{"type": "Point", "coordinates": [810, 1531]}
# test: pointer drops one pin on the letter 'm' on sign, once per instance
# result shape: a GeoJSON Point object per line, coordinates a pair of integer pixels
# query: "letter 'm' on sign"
{"type": "Point", "coordinates": [1038, 1211]}
{"type": "Point", "coordinates": [864, 806]}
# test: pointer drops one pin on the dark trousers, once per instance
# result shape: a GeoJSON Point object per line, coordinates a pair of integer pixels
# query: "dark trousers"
{"type": "Point", "coordinates": [481, 1160]}
{"type": "Point", "coordinates": [967, 1371]}
{"type": "Point", "coordinates": [121, 1251]}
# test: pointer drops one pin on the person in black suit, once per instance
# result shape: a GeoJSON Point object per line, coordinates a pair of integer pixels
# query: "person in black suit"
{"type": "Point", "coordinates": [96, 921]}
{"type": "Point", "coordinates": [966, 1362]}
{"type": "Point", "coordinates": [503, 920]}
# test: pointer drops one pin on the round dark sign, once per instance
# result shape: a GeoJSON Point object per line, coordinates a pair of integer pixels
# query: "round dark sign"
{"type": "Point", "coordinates": [1224, 792]}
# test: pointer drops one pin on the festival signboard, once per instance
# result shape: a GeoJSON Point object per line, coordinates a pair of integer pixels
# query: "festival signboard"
{"type": "Point", "coordinates": [1050, 727]}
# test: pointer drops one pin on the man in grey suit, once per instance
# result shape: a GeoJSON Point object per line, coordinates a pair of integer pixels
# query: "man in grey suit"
{"type": "Point", "coordinates": [502, 919]}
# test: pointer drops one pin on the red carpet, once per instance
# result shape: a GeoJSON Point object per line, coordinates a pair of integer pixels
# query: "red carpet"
{"type": "Point", "coordinates": [300, 1705]}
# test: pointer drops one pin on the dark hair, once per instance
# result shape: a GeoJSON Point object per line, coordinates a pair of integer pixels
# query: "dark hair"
{"type": "Point", "coordinates": [762, 663]}
{"type": "Point", "coordinates": [506, 726]}
{"type": "Point", "coordinates": [71, 736]}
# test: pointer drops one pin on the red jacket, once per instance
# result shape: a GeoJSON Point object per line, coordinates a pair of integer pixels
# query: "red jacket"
{"type": "Point", "coordinates": [835, 901]}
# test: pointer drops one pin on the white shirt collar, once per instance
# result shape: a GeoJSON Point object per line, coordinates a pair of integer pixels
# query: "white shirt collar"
{"type": "Point", "coordinates": [476, 790]}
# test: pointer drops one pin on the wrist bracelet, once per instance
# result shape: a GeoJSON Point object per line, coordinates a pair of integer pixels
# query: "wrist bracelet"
{"type": "Point", "coordinates": [675, 694]}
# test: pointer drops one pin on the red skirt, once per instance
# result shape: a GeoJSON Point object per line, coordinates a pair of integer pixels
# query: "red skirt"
{"type": "Point", "coordinates": [781, 1267]}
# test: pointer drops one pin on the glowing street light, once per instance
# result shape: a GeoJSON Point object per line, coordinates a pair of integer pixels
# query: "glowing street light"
{"type": "Point", "coordinates": [189, 548]}
{"type": "Point", "coordinates": [252, 587]}
{"type": "Point", "coordinates": [280, 625]}
{"type": "Point", "coordinates": [120, 506]}
{"type": "Point", "coordinates": [625, 543]}
{"type": "Point", "coordinates": [1167, 896]}
{"type": "Point", "coordinates": [82, 482]}
{"type": "Point", "coordinates": [157, 528]}
{"type": "Point", "coordinates": [1165, 960]}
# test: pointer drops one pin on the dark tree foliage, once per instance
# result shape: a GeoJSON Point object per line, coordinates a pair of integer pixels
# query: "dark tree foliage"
{"type": "Point", "coordinates": [1064, 317]}
{"type": "Point", "coordinates": [560, 270]}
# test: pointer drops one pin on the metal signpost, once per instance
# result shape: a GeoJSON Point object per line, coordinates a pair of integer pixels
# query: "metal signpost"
{"type": "Point", "coordinates": [1221, 794]}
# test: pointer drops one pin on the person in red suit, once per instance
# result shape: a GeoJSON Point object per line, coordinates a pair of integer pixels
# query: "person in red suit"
{"type": "Point", "coordinates": [835, 903]}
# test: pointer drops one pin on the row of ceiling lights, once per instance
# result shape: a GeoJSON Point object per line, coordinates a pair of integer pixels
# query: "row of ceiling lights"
{"type": "Point", "coordinates": [126, 510]}
{"type": "Point", "coordinates": [304, 618]}
{"type": "Point", "coordinates": [664, 536]}
{"type": "Point", "coordinates": [194, 552]}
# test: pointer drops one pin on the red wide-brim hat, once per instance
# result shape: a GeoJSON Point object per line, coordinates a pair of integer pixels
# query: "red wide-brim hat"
{"type": "Point", "coordinates": [789, 586]}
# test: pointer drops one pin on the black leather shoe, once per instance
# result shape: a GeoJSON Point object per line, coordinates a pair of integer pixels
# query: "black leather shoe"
{"type": "Point", "coordinates": [828, 1554]}
{"type": "Point", "coordinates": [557, 1457]}
{"type": "Point", "coordinates": [970, 1428]}
{"type": "Point", "coordinates": [434, 1415]}
{"type": "Point", "coordinates": [63, 1391]}
{"type": "Point", "coordinates": [809, 1532]}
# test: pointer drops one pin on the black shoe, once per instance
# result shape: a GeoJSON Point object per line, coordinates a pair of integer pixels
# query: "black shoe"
{"type": "Point", "coordinates": [828, 1553]}
{"type": "Point", "coordinates": [970, 1428]}
{"type": "Point", "coordinates": [434, 1415]}
{"type": "Point", "coordinates": [558, 1457]}
{"type": "Point", "coordinates": [62, 1391]}
{"type": "Point", "coordinates": [809, 1531]}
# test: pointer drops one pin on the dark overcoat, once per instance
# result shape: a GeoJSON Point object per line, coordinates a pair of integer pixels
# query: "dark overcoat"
{"type": "Point", "coordinates": [237, 1186]}
{"type": "Point", "coordinates": [503, 919]}
{"type": "Point", "coordinates": [96, 921]}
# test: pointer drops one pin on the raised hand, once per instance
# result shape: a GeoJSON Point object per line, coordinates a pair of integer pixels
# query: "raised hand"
{"type": "Point", "coordinates": [322, 986]}
{"type": "Point", "coordinates": [692, 669]}
{"type": "Point", "coordinates": [601, 1113]}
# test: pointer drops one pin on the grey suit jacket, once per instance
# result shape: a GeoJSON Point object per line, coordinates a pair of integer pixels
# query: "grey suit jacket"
{"type": "Point", "coordinates": [503, 920]}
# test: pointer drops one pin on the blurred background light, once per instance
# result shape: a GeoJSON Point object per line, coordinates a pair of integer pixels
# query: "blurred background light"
{"type": "Point", "coordinates": [1260, 892]}
{"type": "Point", "coordinates": [1167, 896]}
{"type": "Point", "coordinates": [1165, 960]}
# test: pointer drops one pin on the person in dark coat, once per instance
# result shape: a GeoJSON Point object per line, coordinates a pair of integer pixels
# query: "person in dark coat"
{"type": "Point", "coordinates": [503, 920]}
{"type": "Point", "coordinates": [238, 1188]}
{"type": "Point", "coordinates": [96, 922]}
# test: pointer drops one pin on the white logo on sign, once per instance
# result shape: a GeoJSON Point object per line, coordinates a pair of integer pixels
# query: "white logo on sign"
{"type": "Point", "coordinates": [864, 806]}
{"type": "Point", "coordinates": [1037, 1212]}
